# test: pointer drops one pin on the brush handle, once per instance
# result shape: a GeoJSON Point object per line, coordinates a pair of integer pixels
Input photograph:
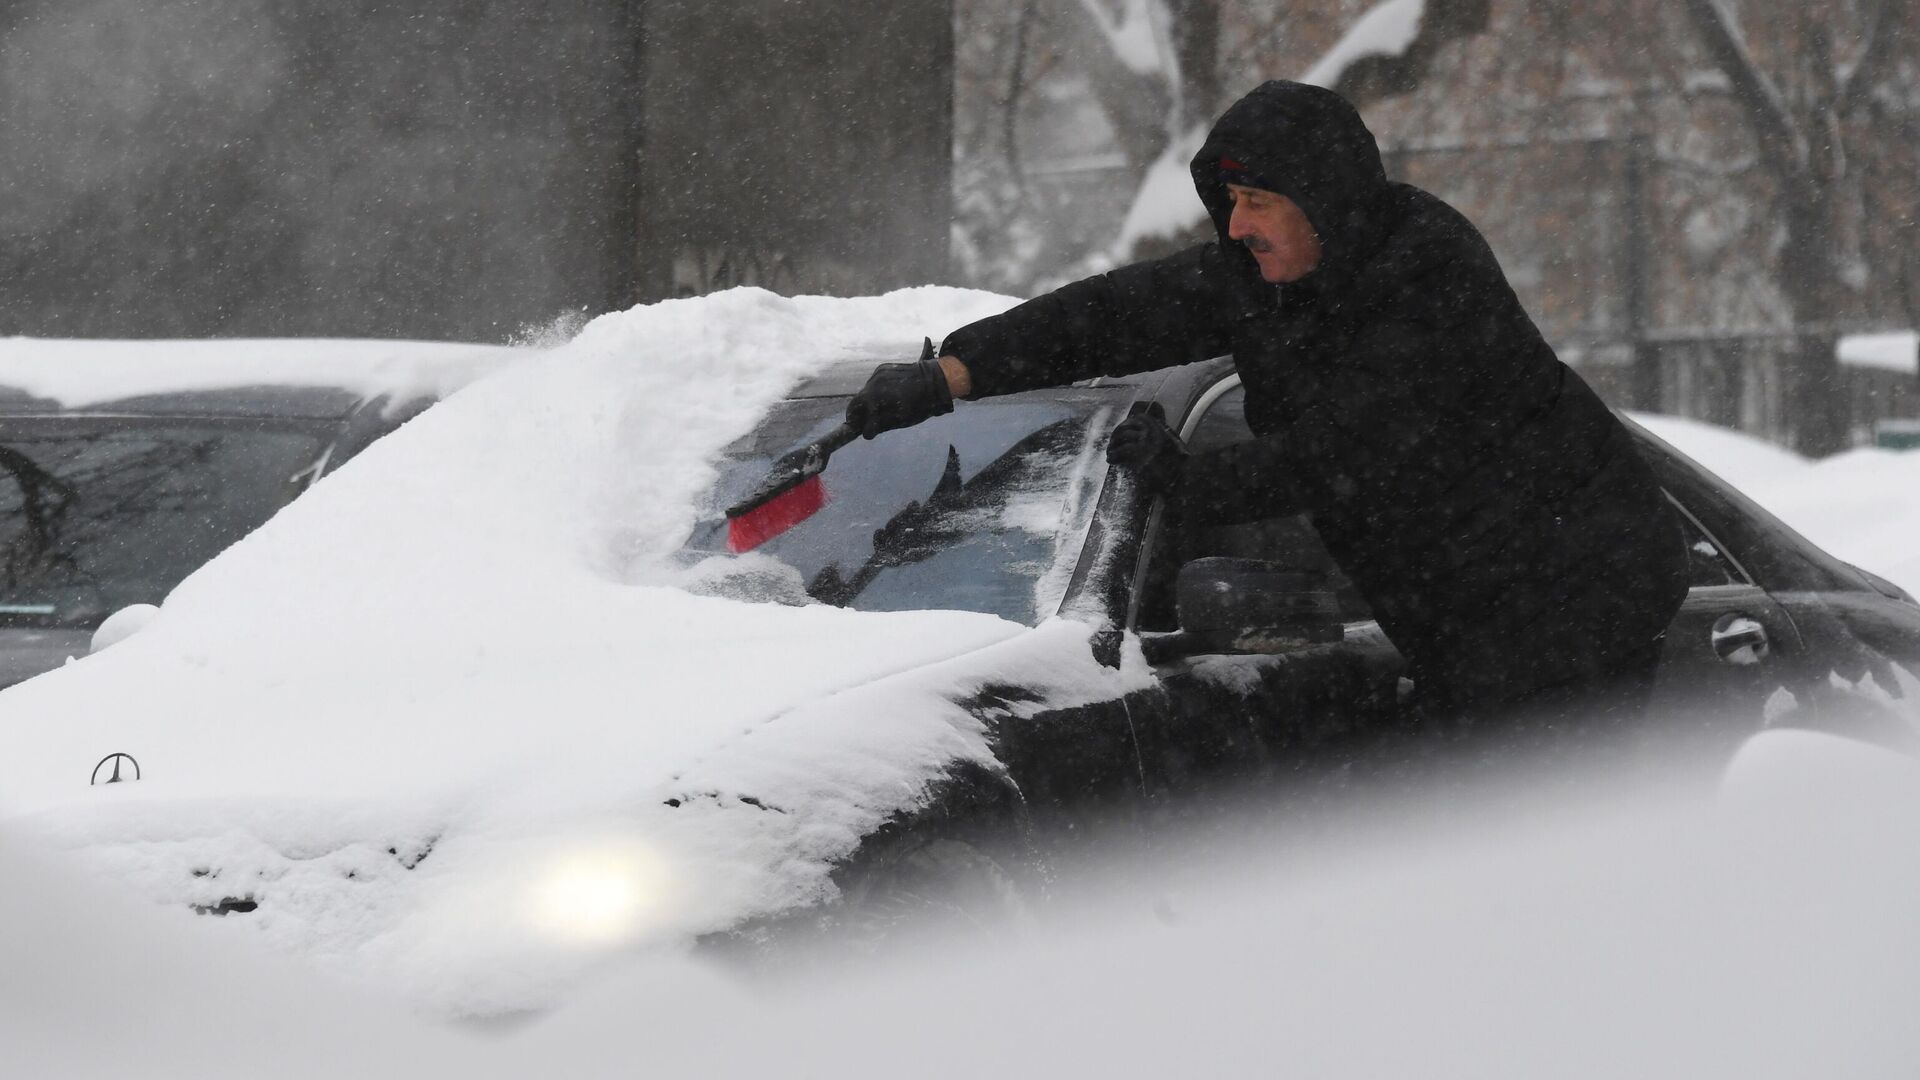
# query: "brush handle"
{"type": "Point", "coordinates": [837, 438]}
{"type": "Point", "coordinates": [795, 468]}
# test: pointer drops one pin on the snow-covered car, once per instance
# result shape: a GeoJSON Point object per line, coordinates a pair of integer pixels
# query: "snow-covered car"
{"type": "Point", "coordinates": [126, 465]}
{"type": "Point", "coordinates": [497, 698]}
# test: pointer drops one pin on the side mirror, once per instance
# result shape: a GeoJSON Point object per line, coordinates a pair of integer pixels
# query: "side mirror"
{"type": "Point", "coordinates": [1254, 606]}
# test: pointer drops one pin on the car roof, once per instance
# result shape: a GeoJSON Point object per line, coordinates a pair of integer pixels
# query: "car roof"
{"type": "Point", "coordinates": [290, 378]}
{"type": "Point", "coordinates": [843, 377]}
{"type": "Point", "coordinates": [251, 402]}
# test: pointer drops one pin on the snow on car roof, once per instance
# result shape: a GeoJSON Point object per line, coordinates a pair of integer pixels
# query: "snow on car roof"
{"type": "Point", "coordinates": [78, 373]}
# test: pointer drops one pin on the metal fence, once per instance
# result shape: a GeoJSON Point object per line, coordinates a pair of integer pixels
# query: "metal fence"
{"type": "Point", "coordinates": [1588, 232]}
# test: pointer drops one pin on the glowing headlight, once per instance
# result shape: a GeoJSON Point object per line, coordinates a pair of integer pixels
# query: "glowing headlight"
{"type": "Point", "coordinates": [598, 894]}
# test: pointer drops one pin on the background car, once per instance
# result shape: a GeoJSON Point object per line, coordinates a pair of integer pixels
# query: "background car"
{"type": "Point", "coordinates": [115, 485]}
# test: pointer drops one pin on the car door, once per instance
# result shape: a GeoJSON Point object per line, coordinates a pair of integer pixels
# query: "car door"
{"type": "Point", "coordinates": [1251, 715]}
{"type": "Point", "coordinates": [1731, 649]}
{"type": "Point", "coordinates": [1844, 626]}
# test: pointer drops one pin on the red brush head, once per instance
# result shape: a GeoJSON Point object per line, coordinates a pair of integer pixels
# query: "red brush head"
{"type": "Point", "coordinates": [776, 515]}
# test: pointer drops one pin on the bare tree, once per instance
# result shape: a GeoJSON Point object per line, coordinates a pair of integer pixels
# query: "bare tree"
{"type": "Point", "coordinates": [1155, 72]}
{"type": "Point", "coordinates": [1809, 111]}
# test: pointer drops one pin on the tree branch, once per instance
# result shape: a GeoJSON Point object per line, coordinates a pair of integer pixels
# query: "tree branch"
{"type": "Point", "coordinates": [1780, 140]}
{"type": "Point", "coordinates": [1016, 89]}
{"type": "Point", "coordinates": [1136, 104]}
{"type": "Point", "coordinates": [1375, 77]}
{"type": "Point", "coordinates": [1883, 38]}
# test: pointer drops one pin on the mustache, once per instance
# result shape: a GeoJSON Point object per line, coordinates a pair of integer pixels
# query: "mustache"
{"type": "Point", "coordinates": [1256, 244]}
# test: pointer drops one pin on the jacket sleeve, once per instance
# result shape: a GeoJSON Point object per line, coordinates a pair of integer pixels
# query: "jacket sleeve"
{"type": "Point", "coordinates": [1143, 316]}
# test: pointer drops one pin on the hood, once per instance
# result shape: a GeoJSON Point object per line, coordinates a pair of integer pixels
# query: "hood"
{"type": "Point", "coordinates": [586, 708]}
{"type": "Point", "coordinates": [714, 778]}
{"type": "Point", "coordinates": [1313, 146]}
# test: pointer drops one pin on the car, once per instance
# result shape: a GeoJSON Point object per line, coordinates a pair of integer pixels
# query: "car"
{"type": "Point", "coordinates": [558, 714]}
{"type": "Point", "coordinates": [1259, 658]}
{"type": "Point", "coordinates": [122, 471]}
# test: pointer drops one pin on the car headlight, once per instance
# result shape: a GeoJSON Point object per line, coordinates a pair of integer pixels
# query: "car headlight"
{"type": "Point", "coordinates": [600, 893]}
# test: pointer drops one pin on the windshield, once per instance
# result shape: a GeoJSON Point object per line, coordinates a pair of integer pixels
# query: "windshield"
{"type": "Point", "coordinates": [97, 514]}
{"type": "Point", "coordinates": [979, 510]}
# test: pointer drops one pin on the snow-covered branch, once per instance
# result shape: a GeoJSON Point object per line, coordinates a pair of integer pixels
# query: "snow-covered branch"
{"type": "Point", "coordinates": [1385, 31]}
{"type": "Point", "coordinates": [1132, 34]}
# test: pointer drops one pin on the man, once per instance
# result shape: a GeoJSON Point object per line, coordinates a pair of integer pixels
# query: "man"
{"type": "Point", "coordinates": [1491, 510]}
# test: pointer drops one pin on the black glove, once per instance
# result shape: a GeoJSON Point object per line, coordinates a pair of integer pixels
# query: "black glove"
{"type": "Point", "coordinates": [1147, 446]}
{"type": "Point", "coordinates": [899, 395]}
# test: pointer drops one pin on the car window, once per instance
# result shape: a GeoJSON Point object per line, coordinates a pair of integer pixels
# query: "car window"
{"type": "Point", "coordinates": [983, 509]}
{"type": "Point", "coordinates": [96, 514]}
{"type": "Point", "coordinates": [1293, 541]}
{"type": "Point", "coordinates": [1707, 563]}
{"type": "Point", "coordinates": [1290, 541]}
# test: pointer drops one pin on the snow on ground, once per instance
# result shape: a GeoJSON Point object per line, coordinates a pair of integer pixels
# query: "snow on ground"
{"type": "Point", "coordinates": [1862, 505]}
{"type": "Point", "coordinates": [1897, 350]}
{"type": "Point", "coordinates": [1540, 931]}
{"type": "Point", "coordinates": [98, 984]}
{"type": "Point", "coordinates": [1529, 929]}
{"type": "Point", "coordinates": [78, 373]}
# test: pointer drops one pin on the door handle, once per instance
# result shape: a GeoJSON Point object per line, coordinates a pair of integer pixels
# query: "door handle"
{"type": "Point", "coordinates": [1740, 639]}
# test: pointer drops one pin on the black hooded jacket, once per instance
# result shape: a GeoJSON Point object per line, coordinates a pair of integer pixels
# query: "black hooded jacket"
{"type": "Point", "coordinates": [1480, 496]}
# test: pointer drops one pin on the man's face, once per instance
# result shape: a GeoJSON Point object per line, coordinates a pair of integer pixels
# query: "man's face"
{"type": "Point", "coordinates": [1276, 231]}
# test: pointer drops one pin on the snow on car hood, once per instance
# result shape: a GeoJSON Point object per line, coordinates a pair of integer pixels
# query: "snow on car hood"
{"type": "Point", "coordinates": [457, 667]}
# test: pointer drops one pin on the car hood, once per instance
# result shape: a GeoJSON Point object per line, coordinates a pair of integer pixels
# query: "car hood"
{"type": "Point", "coordinates": [571, 711]}
{"type": "Point", "coordinates": [25, 653]}
{"type": "Point", "coordinates": [475, 850]}
{"type": "Point", "coordinates": [457, 669]}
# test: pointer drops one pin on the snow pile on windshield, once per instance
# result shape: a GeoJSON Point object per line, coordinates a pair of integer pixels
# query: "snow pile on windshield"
{"type": "Point", "coordinates": [78, 373]}
{"type": "Point", "coordinates": [439, 723]}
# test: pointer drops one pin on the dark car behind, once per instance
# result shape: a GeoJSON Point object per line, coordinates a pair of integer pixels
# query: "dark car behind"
{"type": "Point", "coordinates": [110, 503]}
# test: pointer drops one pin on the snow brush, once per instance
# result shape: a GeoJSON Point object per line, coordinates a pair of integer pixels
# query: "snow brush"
{"type": "Point", "coordinates": [791, 493]}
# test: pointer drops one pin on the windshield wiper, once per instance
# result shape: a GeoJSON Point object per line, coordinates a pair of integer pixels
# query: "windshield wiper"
{"type": "Point", "coordinates": [924, 529]}
{"type": "Point", "coordinates": [909, 536]}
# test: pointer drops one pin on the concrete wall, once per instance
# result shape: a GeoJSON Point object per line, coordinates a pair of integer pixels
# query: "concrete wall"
{"type": "Point", "coordinates": [459, 169]}
{"type": "Point", "coordinates": [806, 146]}
{"type": "Point", "coordinates": [189, 167]}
